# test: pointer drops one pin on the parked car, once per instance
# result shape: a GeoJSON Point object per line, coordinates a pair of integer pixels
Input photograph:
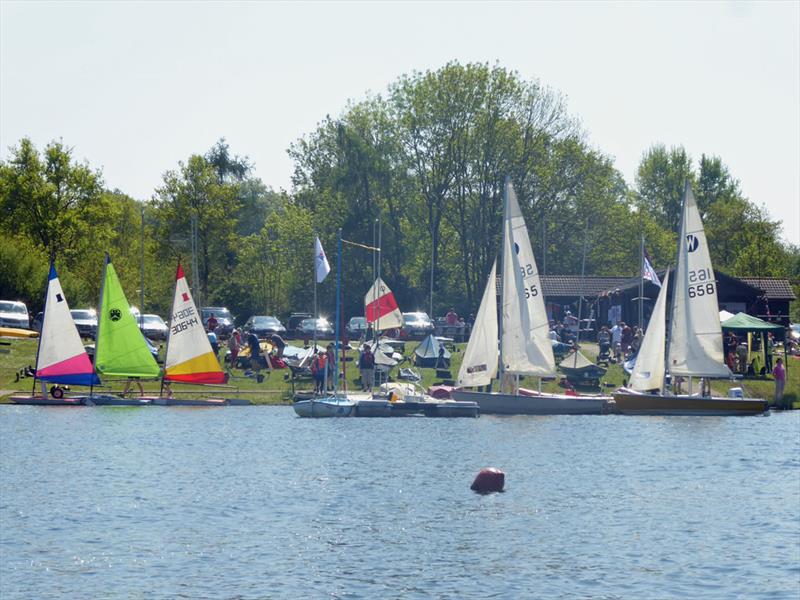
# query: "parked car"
{"type": "Point", "coordinates": [14, 314]}
{"type": "Point", "coordinates": [416, 325]}
{"type": "Point", "coordinates": [356, 327]}
{"type": "Point", "coordinates": [37, 322]}
{"type": "Point", "coordinates": [86, 321]}
{"type": "Point", "coordinates": [794, 332]}
{"type": "Point", "coordinates": [264, 326]}
{"type": "Point", "coordinates": [154, 327]}
{"type": "Point", "coordinates": [293, 323]}
{"type": "Point", "coordinates": [324, 329]}
{"type": "Point", "coordinates": [224, 319]}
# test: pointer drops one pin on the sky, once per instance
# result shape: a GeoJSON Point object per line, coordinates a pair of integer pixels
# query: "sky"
{"type": "Point", "coordinates": [136, 87]}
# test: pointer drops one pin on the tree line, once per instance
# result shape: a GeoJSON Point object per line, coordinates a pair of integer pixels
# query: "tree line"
{"type": "Point", "coordinates": [427, 159]}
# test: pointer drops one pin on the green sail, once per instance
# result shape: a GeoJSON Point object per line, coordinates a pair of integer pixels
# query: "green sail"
{"type": "Point", "coordinates": [120, 348]}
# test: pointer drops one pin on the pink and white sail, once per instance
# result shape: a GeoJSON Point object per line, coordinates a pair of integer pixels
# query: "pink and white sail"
{"type": "Point", "coordinates": [62, 357]}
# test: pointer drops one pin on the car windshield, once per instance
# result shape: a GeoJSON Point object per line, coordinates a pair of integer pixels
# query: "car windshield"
{"type": "Point", "coordinates": [358, 322]}
{"type": "Point", "coordinates": [416, 318]}
{"type": "Point", "coordinates": [153, 319]}
{"type": "Point", "coordinates": [265, 321]}
{"type": "Point", "coordinates": [83, 314]}
{"type": "Point", "coordinates": [12, 307]}
{"type": "Point", "coordinates": [220, 313]}
{"type": "Point", "coordinates": [309, 323]}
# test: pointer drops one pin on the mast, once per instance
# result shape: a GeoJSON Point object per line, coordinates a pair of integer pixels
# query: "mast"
{"type": "Point", "coordinates": [641, 285]}
{"type": "Point", "coordinates": [580, 296]}
{"type": "Point", "coordinates": [100, 309]}
{"type": "Point", "coordinates": [501, 370]}
{"type": "Point", "coordinates": [378, 319]}
{"type": "Point", "coordinates": [338, 309]}
{"type": "Point", "coordinates": [141, 262]}
{"type": "Point", "coordinates": [681, 240]}
{"type": "Point", "coordinates": [314, 276]}
{"type": "Point", "coordinates": [169, 329]}
{"type": "Point", "coordinates": [44, 313]}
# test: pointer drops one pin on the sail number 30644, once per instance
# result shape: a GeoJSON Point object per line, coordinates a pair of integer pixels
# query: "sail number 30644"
{"type": "Point", "coordinates": [701, 283]}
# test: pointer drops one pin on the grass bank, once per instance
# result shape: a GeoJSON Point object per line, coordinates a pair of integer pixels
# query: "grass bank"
{"type": "Point", "coordinates": [15, 355]}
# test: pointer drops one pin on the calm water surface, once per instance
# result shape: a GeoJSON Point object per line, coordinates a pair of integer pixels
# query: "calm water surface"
{"type": "Point", "coordinates": [252, 502]}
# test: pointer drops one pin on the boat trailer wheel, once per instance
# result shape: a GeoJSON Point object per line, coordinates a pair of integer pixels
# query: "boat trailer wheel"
{"type": "Point", "coordinates": [56, 392]}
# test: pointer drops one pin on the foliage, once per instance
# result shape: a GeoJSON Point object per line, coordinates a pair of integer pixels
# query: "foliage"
{"type": "Point", "coordinates": [427, 161]}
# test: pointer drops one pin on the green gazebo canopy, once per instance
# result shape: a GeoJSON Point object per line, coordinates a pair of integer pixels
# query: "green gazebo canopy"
{"type": "Point", "coordinates": [744, 322]}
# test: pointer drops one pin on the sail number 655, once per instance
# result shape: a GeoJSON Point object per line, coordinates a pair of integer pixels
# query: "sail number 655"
{"type": "Point", "coordinates": [531, 292]}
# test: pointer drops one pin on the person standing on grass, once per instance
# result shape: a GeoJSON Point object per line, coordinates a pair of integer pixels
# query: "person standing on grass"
{"type": "Point", "coordinates": [234, 345]}
{"type": "Point", "coordinates": [779, 373]}
{"type": "Point", "coordinates": [366, 364]}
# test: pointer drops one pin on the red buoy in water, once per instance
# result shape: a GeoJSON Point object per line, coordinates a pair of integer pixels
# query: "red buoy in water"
{"type": "Point", "coordinates": [489, 480]}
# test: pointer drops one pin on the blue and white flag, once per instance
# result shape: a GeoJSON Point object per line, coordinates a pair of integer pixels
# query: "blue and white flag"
{"type": "Point", "coordinates": [648, 272]}
{"type": "Point", "coordinates": [321, 262]}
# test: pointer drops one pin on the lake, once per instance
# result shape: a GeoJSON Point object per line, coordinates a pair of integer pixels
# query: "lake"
{"type": "Point", "coordinates": [252, 502]}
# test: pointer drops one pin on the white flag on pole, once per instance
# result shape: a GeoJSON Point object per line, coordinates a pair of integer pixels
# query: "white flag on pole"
{"type": "Point", "coordinates": [321, 261]}
{"type": "Point", "coordinates": [648, 272]}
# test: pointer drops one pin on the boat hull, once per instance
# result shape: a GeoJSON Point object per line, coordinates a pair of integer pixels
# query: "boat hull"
{"type": "Point", "coordinates": [494, 403]}
{"type": "Point", "coordinates": [42, 401]}
{"type": "Point", "coordinates": [189, 401]}
{"type": "Point", "coordinates": [110, 400]}
{"type": "Point", "coordinates": [632, 403]}
{"type": "Point", "coordinates": [324, 407]}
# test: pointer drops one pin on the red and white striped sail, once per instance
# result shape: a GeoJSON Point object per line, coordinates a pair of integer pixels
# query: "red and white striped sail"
{"type": "Point", "coordinates": [380, 307]}
{"type": "Point", "coordinates": [190, 358]}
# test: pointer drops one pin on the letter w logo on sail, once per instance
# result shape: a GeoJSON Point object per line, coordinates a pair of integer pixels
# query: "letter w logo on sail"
{"type": "Point", "coordinates": [692, 243]}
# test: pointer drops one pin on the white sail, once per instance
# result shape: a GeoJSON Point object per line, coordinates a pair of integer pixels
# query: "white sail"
{"type": "Point", "coordinates": [695, 347]}
{"type": "Point", "coordinates": [648, 372]}
{"type": "Point", "coordinates": [479, 365]}
{"type": "Point", "coordinates": [526, 347]}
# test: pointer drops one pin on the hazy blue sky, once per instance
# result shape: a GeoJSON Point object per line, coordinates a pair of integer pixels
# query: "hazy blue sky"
{"type": "Point", "coordinates": [136, 87]}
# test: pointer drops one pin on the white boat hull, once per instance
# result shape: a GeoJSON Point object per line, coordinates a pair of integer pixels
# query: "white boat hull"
{"type": "Point", "coordinates": [324, 407]}
{"type": "Point", "coordinates": [543, 404]}
{"type": "Point", "coordinates": [628, 402]}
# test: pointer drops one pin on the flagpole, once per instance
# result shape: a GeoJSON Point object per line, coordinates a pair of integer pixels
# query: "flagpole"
{"type": "Point", "coordinates": [641, 285]}
{"type": "Point", "coordinates": [338, 310]}
{"type": "Point", "coordinates": [377, 291]}
{"type": "Point", "coordinates": [314, 275]}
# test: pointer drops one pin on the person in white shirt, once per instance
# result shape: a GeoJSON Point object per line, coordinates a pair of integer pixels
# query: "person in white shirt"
{"type": "Point", "coordinates": [616, 339]}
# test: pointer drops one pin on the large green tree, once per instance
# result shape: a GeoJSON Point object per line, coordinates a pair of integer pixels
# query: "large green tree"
{"type": "Point", "coordinates": [51, 197]}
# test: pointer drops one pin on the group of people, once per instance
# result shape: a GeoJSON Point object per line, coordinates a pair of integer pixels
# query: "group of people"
{"type": "Point", "coordinates": [323, 369]}
{"type": "Point", "coordinates": [622, 339]}
{"type": "Point", "coordinates": [739, 358]}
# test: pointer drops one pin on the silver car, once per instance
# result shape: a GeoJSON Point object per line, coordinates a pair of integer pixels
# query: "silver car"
{"type": "Point", "coordinates": [14, 314]}
{"type": "Point", "coordinates": [86, 321]}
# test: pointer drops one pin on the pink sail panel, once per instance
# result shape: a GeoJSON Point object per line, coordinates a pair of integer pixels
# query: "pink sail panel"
{"type": "Point", "coordinates": [77, 365]}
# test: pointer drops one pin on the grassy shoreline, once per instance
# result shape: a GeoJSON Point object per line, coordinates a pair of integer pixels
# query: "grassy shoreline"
{"type": "Point", "coordinates": [277, 390]}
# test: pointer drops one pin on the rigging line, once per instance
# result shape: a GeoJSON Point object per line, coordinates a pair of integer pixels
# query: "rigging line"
{"type": "Point", "coordinates": [361, 245]}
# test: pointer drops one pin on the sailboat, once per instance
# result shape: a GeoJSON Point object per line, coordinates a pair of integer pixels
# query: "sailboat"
{"type": "Point", "coordinates": [60, 357]}
{"type": "Point", "coordinates": [525, 348]}
{"type": "Point", "coordinates": [333, 405]}
{"type": "Point", "coordinates": [120, 348]}
{"type": "Point", "coordinates": [189, 356]}
{"type": "Point", "coordinates": [694, 347]}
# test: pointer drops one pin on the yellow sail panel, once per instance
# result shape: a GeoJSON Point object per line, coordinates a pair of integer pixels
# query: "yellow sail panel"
{"type": "Point", "coordinates": [200, 369]}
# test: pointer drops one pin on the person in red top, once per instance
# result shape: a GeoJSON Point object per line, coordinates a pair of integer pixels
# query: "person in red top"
{"type": "Point", "coordinates": [318, 370]}
{"type": "Point", "coordinates": [212, 323]}
{"type": "Point", "coordinates": [779, 373]}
